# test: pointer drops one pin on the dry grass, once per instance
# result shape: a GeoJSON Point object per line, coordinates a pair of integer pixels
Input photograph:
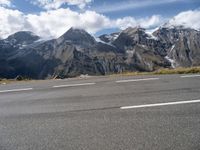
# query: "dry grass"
{"type": "Point", "coordinates": [7, 81]}
{"type": "Point", "coordinates": [191, 70]}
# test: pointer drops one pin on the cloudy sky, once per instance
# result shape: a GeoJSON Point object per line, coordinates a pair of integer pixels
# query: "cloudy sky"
{"type": "Point", "coordinates": [51, 18]}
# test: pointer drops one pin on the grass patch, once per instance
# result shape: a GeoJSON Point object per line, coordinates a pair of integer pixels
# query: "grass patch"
{"type": "Point", "coordinates": [181, 70]}
{"type": "Point", "coordinates": [7, 81]}
{"type": "Point", "coordinates": [191, 70]}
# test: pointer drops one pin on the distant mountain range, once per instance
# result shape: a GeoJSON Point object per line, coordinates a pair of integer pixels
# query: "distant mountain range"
{"type": "Point", "coordinates": [77, 52]}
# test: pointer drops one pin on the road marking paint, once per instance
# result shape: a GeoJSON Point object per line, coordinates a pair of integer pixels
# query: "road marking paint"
{"type": "Point", "coordinates": [136, 80]}
{"type": "Point", "coordinates": [74, 85]}
{"type": "Point", "coordinates": [16, 90]}
{"type": "Point", "coordinates": [161, 104]}
{"type": "Point", "coordinates": [190, 76]}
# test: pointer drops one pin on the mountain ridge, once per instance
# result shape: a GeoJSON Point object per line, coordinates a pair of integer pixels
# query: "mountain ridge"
{"type": "Point", "coordinates": [77, 52]}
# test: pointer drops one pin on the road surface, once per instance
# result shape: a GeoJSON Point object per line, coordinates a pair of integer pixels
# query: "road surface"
{"type": "Point", "coordinates": [102, 113]}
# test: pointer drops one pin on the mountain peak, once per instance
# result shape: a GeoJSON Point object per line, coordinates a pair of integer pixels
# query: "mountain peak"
{"type": "Point", "coordinates": [77, 36]}
{"type": "Point", "coordinates": [109, 38]}
{"type": "Point", "coordinates": [23, 37]}
{"type": "Point", "coordinates": [75, 31]}
{"type": "Point", "coordinates": [132, 32]}
{"type": "Point", "coordinates": [134, 29]}
{"type": "Point", "coordinates": [23, 33]}
{"type": "Point", "coordinates": [168, 25]}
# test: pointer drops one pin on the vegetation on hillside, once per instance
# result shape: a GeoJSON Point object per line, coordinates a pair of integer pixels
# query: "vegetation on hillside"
{"type": "Point", "coordinates": [190, 70]}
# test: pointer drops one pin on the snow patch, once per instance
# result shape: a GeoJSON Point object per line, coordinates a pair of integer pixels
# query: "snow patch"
{"type": "Point", "coordinates": [115, 36]}
{"type": "Point", "coordinates": [171, 61]}
{"type": "Point", "coordinates": [41, 40]}
{"type": "Point", "coordinates": [130, 52]}
{"type": "Point", "coordinates": [112, 37]}
{"type": "Point", "coordinates": [144, 46]}
{"type": "Point", "coordinates": [21, 46]}
{"type": "Point", "coordinates": [173, 46]}
{"type": "Point", "coordinates": [100, 41]}
{"type": "Point", "coordinates": [150, 34]}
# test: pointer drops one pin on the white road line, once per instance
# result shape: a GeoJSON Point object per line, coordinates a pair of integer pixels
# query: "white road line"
{"type": "Point", "coordinates": [136, 80]}
{"type": "Point", "coordinates": [161, 104]}
{"type": "Point", "coordinates": [190, 76]}
{"type": "Point", "coordinates": [74, 85]}
{"type": "Point", "coordinates": [16, 90]}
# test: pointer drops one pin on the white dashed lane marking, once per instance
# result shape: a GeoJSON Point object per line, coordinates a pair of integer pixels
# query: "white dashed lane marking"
{"type": "Point", "coordinates": [160, 104]}
{"type": "Point", "coordinates": [16, 90]}
{"type": "Point", "coordinates": [137, 80]}
{"type": "Point", "coordinates": [74, 85]}
{"type": "Point", "coordinates": [190, 76]}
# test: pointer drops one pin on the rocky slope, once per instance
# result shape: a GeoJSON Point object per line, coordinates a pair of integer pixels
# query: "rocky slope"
{"type": "Point", "coordinates": [77, 52]}
{"type": "Point", "coordinates": [182, 45]}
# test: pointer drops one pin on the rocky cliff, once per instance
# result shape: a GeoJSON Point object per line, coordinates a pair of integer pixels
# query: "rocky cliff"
{"type": "Point", "coordinates": [77, 52]}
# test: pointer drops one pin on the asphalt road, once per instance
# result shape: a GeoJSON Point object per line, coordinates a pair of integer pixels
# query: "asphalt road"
{"type": "Point", "coordinates": [102, 113]}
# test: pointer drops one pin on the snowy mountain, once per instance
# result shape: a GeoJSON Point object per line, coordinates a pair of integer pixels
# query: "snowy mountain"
{"type": "Point", "coordinates": [77, 52]}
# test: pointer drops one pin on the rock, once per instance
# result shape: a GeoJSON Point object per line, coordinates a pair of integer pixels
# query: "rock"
{"type": "Point", "coordinates": [19, 78]}
{"type": "Point", "coordinates": [182, 45]}
{"type": "Point", "coordinates": [77, 53]}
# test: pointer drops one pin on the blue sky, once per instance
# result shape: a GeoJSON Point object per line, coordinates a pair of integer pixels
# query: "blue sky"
{"type": "Point", "coordinates": [96, 16]}
{"type": "Point", "coordinates": [136, 8]}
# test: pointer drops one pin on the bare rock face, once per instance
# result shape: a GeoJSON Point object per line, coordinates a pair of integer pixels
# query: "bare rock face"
{"type": "Point", "coordinates": [77, 37]}
{"type": "Point", "coordinates": [109, 38]}
{"type": "Point", "coordinates": [143, 51]}
{"type": "Point", "coordinates": [131, 37]}
{"type": "Point", "coordinates": [22, 37]}
{"type": "Point", "coordinates": [77, 52]}
{"type": "Point", "coordinates": [182, 45]}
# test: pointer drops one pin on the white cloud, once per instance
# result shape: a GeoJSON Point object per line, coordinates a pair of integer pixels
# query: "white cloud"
{"type": "Point", "coordinates": [55, 4]}
{"type": "Point", "coordinates": [189, 19]}
{"type": "Point", "coordinates": [133, 4]}
{"type": "Point", "coordinates": [11, 21]}
{"type": "Point", "coordinates": [5, 3]}
{"type": "Point", "coordinates": [148, 22]}
{"type": "Point", "coordinates": [56, 22]}
{"type": "Point", "coordinates": [53, 23]}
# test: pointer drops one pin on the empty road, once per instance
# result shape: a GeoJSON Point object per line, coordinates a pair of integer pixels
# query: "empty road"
{"type": "Point", "coordinates": [158, 112]}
